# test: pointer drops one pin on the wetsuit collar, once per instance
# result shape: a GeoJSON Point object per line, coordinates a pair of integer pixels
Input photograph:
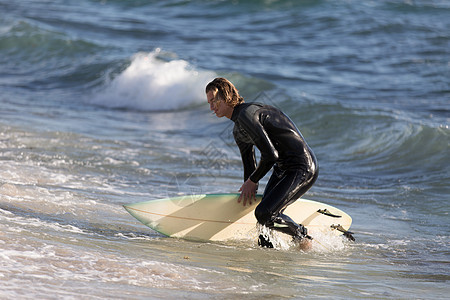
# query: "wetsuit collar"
{"type": "Point", "coordinates": [237, 109]}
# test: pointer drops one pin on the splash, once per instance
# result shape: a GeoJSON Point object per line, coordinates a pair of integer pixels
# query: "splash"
{"type": "Point", "coordinates": [152, 84]}
{"type": "Point", "coordinates": [278, 240]}
{"type": "Point", "coordinates": [323, 241]}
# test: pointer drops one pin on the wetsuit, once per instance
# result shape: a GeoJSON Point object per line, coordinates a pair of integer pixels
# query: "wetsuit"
{"type": "Point", "coordinates": [282, 147]}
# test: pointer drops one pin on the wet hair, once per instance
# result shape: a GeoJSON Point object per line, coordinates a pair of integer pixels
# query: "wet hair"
{"type": "Point", "coordinates": [224, 89]}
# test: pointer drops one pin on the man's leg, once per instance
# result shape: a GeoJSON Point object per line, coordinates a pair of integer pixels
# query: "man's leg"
{"type": "Point", "coordinates": [283, 189]}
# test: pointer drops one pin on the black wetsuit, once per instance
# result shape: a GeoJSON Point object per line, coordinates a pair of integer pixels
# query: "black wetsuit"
{"type": "Point", "coordinates": [282, 147]}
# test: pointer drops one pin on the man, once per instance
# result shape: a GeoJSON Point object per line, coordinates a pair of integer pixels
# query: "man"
{"type": "Point", "coordinates": [282, 147]}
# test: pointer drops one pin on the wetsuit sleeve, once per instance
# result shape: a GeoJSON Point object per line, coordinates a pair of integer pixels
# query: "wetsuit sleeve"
{"type": "Point", "coordinates": [248, 158]}
{"type": "Point", "coordinates": [269, 155]}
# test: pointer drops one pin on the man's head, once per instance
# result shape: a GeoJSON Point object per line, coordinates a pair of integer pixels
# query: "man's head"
{"type": "Point", "coordinates": [222, 97]}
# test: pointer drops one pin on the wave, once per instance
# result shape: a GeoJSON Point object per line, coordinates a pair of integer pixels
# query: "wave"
{"type": "Point", "coordinates": [373, 146]}
{"type": "Point", "coordinates": [152, 84]}
{"type": "Point", "coordinates": [27, 42]}
{"type": "Point", "coordinates": [37, 57]}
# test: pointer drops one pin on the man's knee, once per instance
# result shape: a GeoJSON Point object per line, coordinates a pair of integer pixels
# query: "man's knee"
{"type": "Point", "coordinates": [263, 216]}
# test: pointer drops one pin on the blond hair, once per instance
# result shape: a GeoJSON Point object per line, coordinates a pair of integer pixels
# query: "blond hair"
{"type": "Point", "coordinates": [225, 90]}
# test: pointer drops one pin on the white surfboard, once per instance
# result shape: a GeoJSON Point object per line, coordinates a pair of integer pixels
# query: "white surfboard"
{"type": "Point", "coordinates": [219, 217]}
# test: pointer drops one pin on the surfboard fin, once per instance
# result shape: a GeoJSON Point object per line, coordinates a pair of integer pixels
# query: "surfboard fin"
{"type": "Point", "coordinates": [347, 234]}
{"type": "Point", "coordinates": [326, 212]}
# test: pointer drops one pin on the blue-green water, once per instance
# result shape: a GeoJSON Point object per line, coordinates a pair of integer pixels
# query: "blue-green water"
{"type": "Point", "coordinates": [102, 104]}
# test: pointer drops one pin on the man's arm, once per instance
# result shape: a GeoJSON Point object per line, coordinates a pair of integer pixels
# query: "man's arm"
{"type": "Point", "coordinates": [249, 188]}
{"type": "Point", "coordinates": [269, 155]}
{"type": "Point", "coordinates": [248, 158]}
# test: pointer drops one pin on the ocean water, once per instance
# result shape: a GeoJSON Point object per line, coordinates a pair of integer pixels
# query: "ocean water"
{"type": "Point", "coordinates": [102, 104]}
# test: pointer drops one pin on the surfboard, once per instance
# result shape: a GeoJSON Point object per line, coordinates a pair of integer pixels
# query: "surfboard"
{"type": "Point", "coordinates": [219, 217]}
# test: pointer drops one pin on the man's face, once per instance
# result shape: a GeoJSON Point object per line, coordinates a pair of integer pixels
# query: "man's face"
{"type": "Point", "coordinates": [218, 106]}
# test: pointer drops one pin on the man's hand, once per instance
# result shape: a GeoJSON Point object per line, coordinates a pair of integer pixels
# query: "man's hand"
{"type": "Point", "coordinates": [248, 191]}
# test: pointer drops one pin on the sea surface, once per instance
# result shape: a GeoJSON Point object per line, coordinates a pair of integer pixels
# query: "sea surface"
{"type": "Point", "coordinates": [102, 104]}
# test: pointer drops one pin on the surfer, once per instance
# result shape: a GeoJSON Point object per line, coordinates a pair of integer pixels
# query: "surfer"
{"type": "Point", "coordinates": [281, 146]}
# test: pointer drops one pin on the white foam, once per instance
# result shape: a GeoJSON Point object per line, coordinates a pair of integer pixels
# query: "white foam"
{"type": "Point", "coordinates": [279, 241]}
{"type": "Point", "coordinates": [327, 241]}
{"type": "Point", "coordinates": [152, 84]}
{"type": "Point", "coordinates": [323, 241]}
